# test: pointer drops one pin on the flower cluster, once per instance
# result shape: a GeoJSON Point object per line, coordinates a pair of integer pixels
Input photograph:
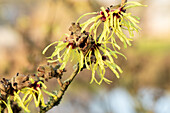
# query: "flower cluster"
{"type": "Point", "coordinates": [31, 86]}
{"type": "Point", "coordinates": [34, 91]}
{"type": "Point", "coordinates": [89, 48]}
{"type": "Point", "coordinates": [74, 47]}
{"type": "Point", "coordinates": [114, 22]}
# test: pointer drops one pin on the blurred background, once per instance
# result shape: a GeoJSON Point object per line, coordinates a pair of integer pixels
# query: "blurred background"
{"type": "Point", "coordinates": [28, 26]}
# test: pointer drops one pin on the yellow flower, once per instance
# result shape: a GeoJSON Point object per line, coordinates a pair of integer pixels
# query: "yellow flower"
{"type": "Point", "coordinates": [100, 57]}
{"type": "Point", "coordinates": [114, 20]}
{"type": "Point", "coordinates": [34, 92]}
{"type": "Point", "coordinates": [64, 52]}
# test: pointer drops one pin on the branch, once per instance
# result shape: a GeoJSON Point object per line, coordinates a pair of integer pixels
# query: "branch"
{"type": "Point", "coordinates": [54, 102]}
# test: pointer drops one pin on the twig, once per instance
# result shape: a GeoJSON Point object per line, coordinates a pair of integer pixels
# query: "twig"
{"type": "Point", "coordinates": [59, 82]}
{"type": "Point", "coordinates": [54, 102]}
